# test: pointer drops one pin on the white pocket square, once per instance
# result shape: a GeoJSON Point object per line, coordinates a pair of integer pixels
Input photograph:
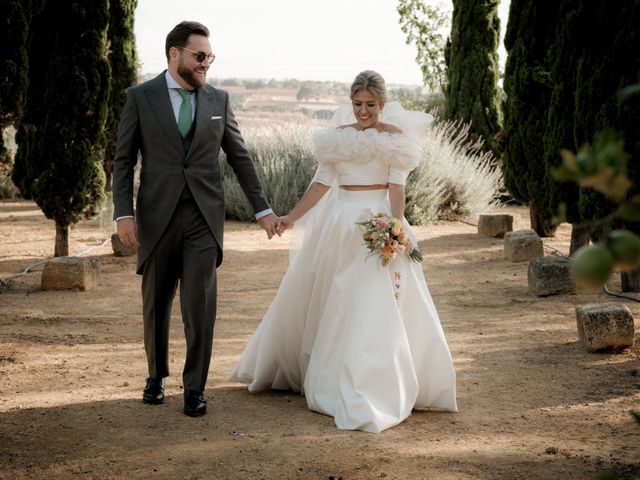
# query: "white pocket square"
{"type": "Point", "coordinates": [215, 118]}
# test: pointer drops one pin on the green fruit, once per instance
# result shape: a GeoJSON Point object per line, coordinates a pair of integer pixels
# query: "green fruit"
{"type": "Point", "coordinates": [585, 163]}
{"type": "Point", "coordinates": [592, 266]}
{"type": "Point", "coordinates": [625, 248]}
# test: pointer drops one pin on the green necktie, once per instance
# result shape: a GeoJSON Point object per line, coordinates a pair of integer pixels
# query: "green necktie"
{"type": "Point", "coordinates": [184, 115]}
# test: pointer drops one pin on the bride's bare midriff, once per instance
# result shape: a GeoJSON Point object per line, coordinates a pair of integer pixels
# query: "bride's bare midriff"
{"type": "Point", "coordinates": [364, 187]}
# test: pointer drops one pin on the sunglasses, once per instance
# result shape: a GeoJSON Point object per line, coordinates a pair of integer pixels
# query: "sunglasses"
{"type": "Point", "coordinates": [201, 56]}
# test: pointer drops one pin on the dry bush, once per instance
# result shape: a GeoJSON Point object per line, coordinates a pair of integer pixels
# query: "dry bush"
{"type": "Point", "coordinates": [453, 179]}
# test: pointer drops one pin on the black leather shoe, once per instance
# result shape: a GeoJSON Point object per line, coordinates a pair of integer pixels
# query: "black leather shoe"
{"type": "Point", "coordinates": [153, 392]}
{"type": "Point", "coordinates": [194, 403]}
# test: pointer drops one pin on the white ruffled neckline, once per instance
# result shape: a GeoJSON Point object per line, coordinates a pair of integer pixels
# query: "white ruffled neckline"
{"type": "Point", "coordinates": [348, 144]}
{"type": "Point", "coordinates": [372, 130]}
{"type": "Point", "coordinates": [333, 145]}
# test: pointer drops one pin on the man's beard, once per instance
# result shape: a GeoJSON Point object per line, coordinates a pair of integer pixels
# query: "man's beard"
{"type": "Point", "coordinates": [189, 77]}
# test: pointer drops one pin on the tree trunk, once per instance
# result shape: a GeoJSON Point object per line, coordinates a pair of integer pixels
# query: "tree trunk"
{"type": "Point", "coordinates": [62, 241]}
{"type": "Point", "coordinates": [542, 225]}
{"type": "Point", "coordinates": [631, 281]}
{"type": "Point", "coordinates": [579, 237]}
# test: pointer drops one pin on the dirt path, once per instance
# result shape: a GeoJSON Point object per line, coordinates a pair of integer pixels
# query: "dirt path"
{"type": "Point", "coordinates": [72, 368]}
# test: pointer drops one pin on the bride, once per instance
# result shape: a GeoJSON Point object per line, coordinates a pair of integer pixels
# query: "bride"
{"type": "Point", "coordinates": [360, 340]}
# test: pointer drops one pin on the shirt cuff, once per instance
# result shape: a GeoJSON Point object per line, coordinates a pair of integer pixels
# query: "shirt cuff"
{"type": "Point", "coordinates": [124, 216]}
{"type": "Point", "coordinates": [263, 213]}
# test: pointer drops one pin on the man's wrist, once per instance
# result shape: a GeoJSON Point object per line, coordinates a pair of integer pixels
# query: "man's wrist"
{"type": "Point", "coordinates": [264, 213]}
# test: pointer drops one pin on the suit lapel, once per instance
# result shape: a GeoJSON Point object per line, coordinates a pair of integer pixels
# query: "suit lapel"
{"type": "Point", "coordinates": [204, 108]}
{"type": "Point", "coordinates": [158, 96]}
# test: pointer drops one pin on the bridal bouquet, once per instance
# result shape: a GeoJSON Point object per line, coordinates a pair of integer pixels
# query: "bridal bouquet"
{"type": "Point", "coordinates": [386, 237]}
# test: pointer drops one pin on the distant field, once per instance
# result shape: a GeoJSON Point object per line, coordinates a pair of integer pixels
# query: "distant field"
{"type": "Point", "coordinates": [259, 107]}
{"type": "Point", "coordinates": [281, 100]}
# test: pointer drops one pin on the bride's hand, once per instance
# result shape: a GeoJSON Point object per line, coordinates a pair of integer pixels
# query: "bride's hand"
{"type": "Point", "coordinates": [284, 223]}
{"type": "Point", "coordinates": [409, 245]}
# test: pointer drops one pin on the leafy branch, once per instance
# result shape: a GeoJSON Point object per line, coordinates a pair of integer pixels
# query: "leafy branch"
{"type": "Point", "coordinates": [422, 25]}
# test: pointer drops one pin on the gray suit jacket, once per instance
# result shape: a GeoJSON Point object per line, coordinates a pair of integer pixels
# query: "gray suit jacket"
{"type": "Point", "coordinates": [148, 126]}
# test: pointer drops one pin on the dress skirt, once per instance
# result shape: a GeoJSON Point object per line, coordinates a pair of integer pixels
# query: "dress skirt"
{"type": "Point", "coordinates": [361, 341]}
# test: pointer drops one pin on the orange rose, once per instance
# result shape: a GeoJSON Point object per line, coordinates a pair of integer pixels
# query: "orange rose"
{"type": "Point", "coordinates": [386, 250]}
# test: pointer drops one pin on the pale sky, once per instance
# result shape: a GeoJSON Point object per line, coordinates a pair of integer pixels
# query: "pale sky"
{"type": "Point", "coordinates": [301, 39]}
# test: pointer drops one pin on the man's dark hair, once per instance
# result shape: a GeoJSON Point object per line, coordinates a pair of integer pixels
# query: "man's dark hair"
{"type": "Point", "coordinates": [179, 36]}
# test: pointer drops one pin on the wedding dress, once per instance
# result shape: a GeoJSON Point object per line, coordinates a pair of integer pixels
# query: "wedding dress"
{"type": "Point", "coordinates": [361, 341]}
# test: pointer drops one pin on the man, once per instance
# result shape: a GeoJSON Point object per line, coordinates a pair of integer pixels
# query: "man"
{"type": "Point", "coordinates": [179, 123]}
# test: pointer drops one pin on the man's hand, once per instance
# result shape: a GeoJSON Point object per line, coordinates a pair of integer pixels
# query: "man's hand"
{"type": "Point", "coordinates": [127, 230]}
{"type": "Point", "coordinates": [269, 223]}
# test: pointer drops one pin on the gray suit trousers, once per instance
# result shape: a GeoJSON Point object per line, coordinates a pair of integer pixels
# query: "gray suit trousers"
{"type": "Point", "coordinates": [186, 254]}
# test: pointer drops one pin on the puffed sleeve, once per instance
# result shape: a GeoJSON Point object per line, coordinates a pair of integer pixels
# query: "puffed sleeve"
{"type": "Point", "coordinates": [325, 174]}
{"type": "Point", "coordinates": [398, 175]}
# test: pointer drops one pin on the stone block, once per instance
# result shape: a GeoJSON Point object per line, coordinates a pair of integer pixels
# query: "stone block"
{"type": "Point", "coordinates": [70, 273]}
{"type": "Point", "coordinates": [120, 249]}
{"type": "Point", "coordinates": [550, 276]}
{"type": "Point", "coordinates": [522, 245]}
{"type": "Point", "coordinates": [495, 225]}
{"type": "Point", "coordinates": [605, 326]}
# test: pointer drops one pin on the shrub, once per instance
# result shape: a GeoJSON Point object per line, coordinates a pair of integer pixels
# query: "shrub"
{"type": "Point", "coordinates": [465, 175]}
{"type": "Point", "coordinates": [454, 177]}
{"type": "Point", "coordinates": [424, 193]}
{"type": "Point", "coordinates": [7, 188]}
{"type": "Point", "coordinates": [285, 166]}
{"type": "Point", "coordinates": [415, 99]}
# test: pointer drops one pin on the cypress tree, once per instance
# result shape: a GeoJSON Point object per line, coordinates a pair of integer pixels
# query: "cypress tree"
{"type": "Point", "coordinates": [527, 85]}
{"type": "Point", "coordinates": [560, 120]}
{"type": "Point", "coordinates": [14, 68]}
{"type": "Point", "coordinates": [609, 62]}
{"type": "Point", "coordinates": [60, 139]}
{"type": "Point", "coordinates": [593, 57]}
{"type": "Point", "coordinates": [472, 68]}
{"type": "Point", "coordinates": [123, 63]}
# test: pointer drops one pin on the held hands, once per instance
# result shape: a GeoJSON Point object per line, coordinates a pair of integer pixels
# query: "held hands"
{"type": "Point", "coordinates": [275, 225]}
{"type": "Point", "coordinates": [284, 223]}
{"type": "Point", "coordinates": [127, 231]}
{"type": "Point", "coordinates": [269, 224]}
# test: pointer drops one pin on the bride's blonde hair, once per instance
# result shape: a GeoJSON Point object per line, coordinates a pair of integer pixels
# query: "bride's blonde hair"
{"type": "Point", "coordinates": [371, 82]}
